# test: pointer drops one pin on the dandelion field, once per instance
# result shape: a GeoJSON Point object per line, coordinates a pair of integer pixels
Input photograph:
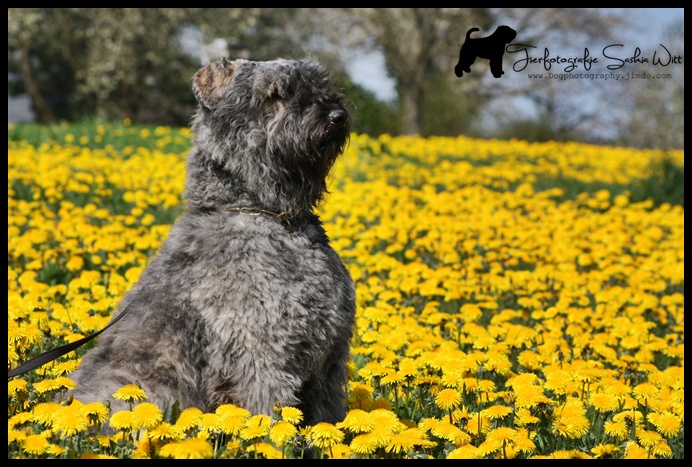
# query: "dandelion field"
{"type": "Point", "coordinates": [515, 300]}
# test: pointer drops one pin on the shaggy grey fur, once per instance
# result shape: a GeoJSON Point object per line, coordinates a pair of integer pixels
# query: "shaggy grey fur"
{"type": "Point", "coordinates": [246, 302]}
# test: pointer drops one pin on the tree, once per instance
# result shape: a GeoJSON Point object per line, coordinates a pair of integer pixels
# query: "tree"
{"type": "Point", "coordinates": [561, 110]}
{"type": "Point", "coordinates": [113, 63]}
{"type": "Point", "coordinates": [38, 50]}
{"type": "Point", "coordinates": [420, 45]}
{"type": "Point", "coordinates": [654, 114]}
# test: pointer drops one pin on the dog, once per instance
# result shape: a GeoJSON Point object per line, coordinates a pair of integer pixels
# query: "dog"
{"type": "Point", "coordinates": [491, 47]}
{"type": "Point", "coordinates": [246, 302]}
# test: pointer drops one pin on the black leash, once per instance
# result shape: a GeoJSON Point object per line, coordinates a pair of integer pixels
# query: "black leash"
{"type": "Point", "coordinates": [52, 354]}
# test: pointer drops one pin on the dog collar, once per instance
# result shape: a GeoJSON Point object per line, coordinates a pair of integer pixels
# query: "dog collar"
{"type": "Point", "coordinates": [282, 216]}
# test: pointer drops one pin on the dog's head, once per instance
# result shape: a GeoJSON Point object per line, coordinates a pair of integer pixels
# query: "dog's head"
{"type": "Point", "coordinates": [278, 125]}
{"type": "Point", "coordinates": [505, 33]}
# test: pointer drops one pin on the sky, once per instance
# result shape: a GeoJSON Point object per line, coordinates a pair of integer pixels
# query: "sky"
{"type": "Point", "coordinates": [648, 26]}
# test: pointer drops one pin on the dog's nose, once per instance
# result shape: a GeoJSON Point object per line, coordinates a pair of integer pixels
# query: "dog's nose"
{"type": "Point", "coordinates": [336, 117]}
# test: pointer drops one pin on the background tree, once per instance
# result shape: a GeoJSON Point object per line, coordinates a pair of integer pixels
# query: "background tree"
{"type": "Point", "coordinates": [663, 123]}
{"type": "Point", "coordinates": [420, 47]}
{"type": "Point", "coordinates": [40, 45]}
{"type": "Point", "coordinates": [580, 113]}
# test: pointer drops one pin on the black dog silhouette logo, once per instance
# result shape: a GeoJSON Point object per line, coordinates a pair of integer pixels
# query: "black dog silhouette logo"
{"type": "Point", "coordinates": [491, 48]}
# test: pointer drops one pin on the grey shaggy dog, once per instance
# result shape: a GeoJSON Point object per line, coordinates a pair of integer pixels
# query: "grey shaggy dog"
{"type": "Point", "coordinates": [246, 301]}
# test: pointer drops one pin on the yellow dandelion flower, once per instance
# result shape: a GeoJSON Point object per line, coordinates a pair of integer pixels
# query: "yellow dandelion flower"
{"type": "Point", "coordinates": [489, 446]}
{"type": "Point", "coordinates": [529, 396]}
{"type": "Point", "coordinates": [478, 423]}
{"type": "Point", "coordinates": [266, 450]}
{"type": "Point", "coordinates": [649, 438]}
{"type": "Point", "coordinates": [381, 435]}
{"type": "Point", "coordinates": [380, 404]}
{"type": "Point", "coordinates": [359, 394]}
{"type": "Point", "coordinates": [164, 431]}
{"type": "Point", "coordinates": [291, 415]}
{"type": "Point", "coordinates": [447, 399]}
{"type": "Point", "coordinates": [70, 420]}
{"type": "Point", "coordinates": [93, 455]}
{"type": "Point", "coordinates": [146, 416]}
{"type": "Point", "coordinates": [188, 418]}
{"type": "Point", "coordinates": [522, 379]}
{"type": "Point", "coordinates": [604, 450]}
{"type": "Point", "coordinates": [75, 263]}
{"type": "Point", "coordinates": [234, 448]}
{"type": "Point", "coordinates": [256, 427]}
{"type": "Point", "coordinates": [20, 419]}
{"type": "Point", "coordinates": [43, 412]}
{"type": "Point", "coordinates": [282, 432]}
{"type": "Point", "coordinates": [524, 417]}
{"type": "Point", "coordinates": [406, 440]}
{"type": "Point", "coordinates": [374, 369]}
{"type": "Point", "coordinates": [209, 422]}
{"type": "Point", "coordinates": [666, 423]}
{"type": "Point", "coordinates": [46, 385]}
{"type": "Point", "coordinates": [63, 382]}
{"type": "Point", "coordinates": [485, 385]}
{"type": "Point", "coordinates": [618, 389]}
{"type": "Point", "coordinates": [16, 386]}
{"type": "Point", "coordinates": [357, 421]}
{"type": "Point", "coordinates": [468, 451]}
{"type": "Point", "coordinates": [461, 414]}
{"type": "Point", "coordinates": [531, 360]}
{"type": "Point", "coordinates": [387, 419]}
{"type": "Point", "coordinates": [524, 444]}
{"type": "Point", "coordinates": [616, 429]}
{"type": "Point", "coordinates": [392, 379]}
{"type": "Point", "coordinates": [497, 412]}
{"type": "Point", "coordinates": [325, 435]}
{"type": "Point", "coordinates": [232, 410]}
{"type": "Point", "coordinates": [104, 441]}
{"type": "Point", "coordinates": [630, 416]}
{"type": "Point", "coordinates": [130, 393]}
{"type": "Point", "coordinates": [64, 368]}
{"type": "Point", "coordinates": [571, 454]}
{"type": "Point", "coordinates": [571, 425]}
{"type": "Point", "coordinates": [454, 434]}
{"type": "Point", "coordinates": [635, 451]}
{"type": "Point", "coordinates": [191, 448]}
{"type": "Point", "coordinates": [662, 449]}
{"type": "Point", "coordinates": [96, 412]}
{"type": "Point", "coordinates": [35, 445]}
{"type": "Point", "coordinates": [603, 401]}
{"type": "Point", "coordinates": [644, 392]}
{"type": "Point", "coordinates": [503, 434]}
{"type": "Point", "coordinates": [122, 420]}
{"type": "Point", "coordinates": [339, 451]}
{"type": "Point", "coordinates": [232, 425]}
{"type": "Point", "coordinates": [363, 444]}
{"type": "Point", "coordinates": [145, 447]}
{"type": "Point", "coordinates": [16, 436]}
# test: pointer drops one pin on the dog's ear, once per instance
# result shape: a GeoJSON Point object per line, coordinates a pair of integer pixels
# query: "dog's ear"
{"type": "Point", "coordinates": [210, 82]}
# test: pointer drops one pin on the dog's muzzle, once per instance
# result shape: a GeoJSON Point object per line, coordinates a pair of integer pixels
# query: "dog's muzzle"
{"type": "Point", "coordinates": [338, 118]}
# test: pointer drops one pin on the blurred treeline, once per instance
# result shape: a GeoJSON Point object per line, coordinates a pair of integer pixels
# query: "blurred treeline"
{"type": "Point", "coordinates": [137, 63]}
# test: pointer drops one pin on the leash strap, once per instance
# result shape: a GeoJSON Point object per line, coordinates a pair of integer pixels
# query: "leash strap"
{"type": "Point", "coordinates": [52, 354]}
